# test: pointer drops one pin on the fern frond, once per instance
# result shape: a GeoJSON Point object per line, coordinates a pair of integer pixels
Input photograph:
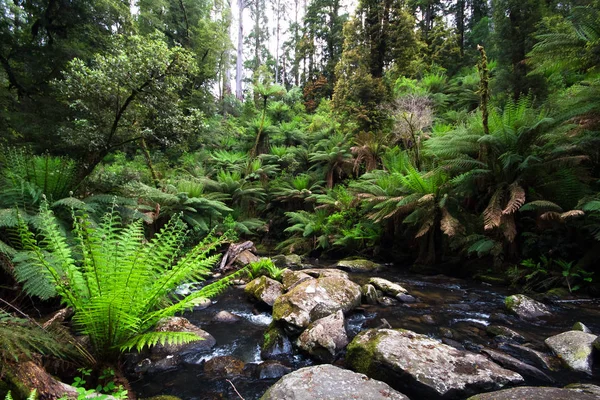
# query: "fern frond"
{"type": "Point", "coordinates": [541, 205]}
{"type": "Point", "coordinates": [150, 339]}
{"type": "Point", "coordinates": [492, 215]}
{"type": "Point", "coordinates": [517, 198]}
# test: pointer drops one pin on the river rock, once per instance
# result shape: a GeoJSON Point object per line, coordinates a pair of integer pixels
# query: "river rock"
{"type": "Point", "coordinates": [369, 294]}
{"type": "Point", "coordinates": [290, 279]}
{"type": "Point", "coordinates": [499, 330]}
{"type": "Point", "coordinates": [516, 365]}
{"type": "Point", "coordinates": [579, 326]}
{"type": "Point", "coordinates": [325, 338]}
{"type": "Point", "coordinates": [388, 287]}
{"type": "Point", "coordinates": [178, 324]}
{"type": "Point", "coordinates": [531, 356]}
{"type": "Point", "coordinates": [525, 307]}
{"type": "Point", "coordinates": [585, 388]}
{"type": "Point", "coordinates": [226, 317]}
{"type": "Point", "coordinates": [224, 366]}
{"type": "Point", "coordinates": [534, 393]}
{"type": "Point", "coordinates": [287, 260]}
{"type": "Point", "coordinates": [359, 265]}
{"type": "Point", "coordinates": [326, 272]}
{"type": "Point", "coordinates": [423, 367]}
{"type": "Point", "coordinates": [264, 289]}
{"type": "Point", "coordinates": [201, 303]}
{"type": "Point", "coordinates": [272, 369]}
{"type": "Point", "coordinates": [331, 293]}
{"type": "Point", "coordinates": [574, 348]}
{"type": "Point", "coordinates": [246, 257]}
{"type": "Point", "coordinates": [596, 343]}
{"type": "Point", "coordinates": [329, 382]}
{"type": "Point", "coordinates": [276, 345]}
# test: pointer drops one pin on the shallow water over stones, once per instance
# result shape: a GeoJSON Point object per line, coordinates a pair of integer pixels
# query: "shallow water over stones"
{"type": "Point", "coordinates": [449, 309]}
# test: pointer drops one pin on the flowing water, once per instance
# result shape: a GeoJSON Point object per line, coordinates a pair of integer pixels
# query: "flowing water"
{"type": "Point", "coordinates": [445, 307]}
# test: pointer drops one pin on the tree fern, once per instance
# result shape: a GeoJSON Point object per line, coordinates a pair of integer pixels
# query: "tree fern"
{"type": "Point", "coordinates": [118, 283]}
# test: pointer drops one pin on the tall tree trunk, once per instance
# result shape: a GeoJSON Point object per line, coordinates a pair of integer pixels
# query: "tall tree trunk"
{"type": "Point", "coordinates": [460, 26]}
{"type": "Point", "coordinates": [278, 16]}
{"type": "Point", "coordinates": [239, 93]}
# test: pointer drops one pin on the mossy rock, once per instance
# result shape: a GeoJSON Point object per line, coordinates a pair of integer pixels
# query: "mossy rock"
{"type": "Point", "coordinates": [358, 265]}
{"type": "Point", "coordinates": [558, 293]}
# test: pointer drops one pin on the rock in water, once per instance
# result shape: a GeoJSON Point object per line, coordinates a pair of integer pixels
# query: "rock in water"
{"type": "Point", "coordinates": [276, 345]}
{"type": "Point", "coordinates": [516, 365]}
{"type": "Point", "coordinates": [525, 307]}
{"type": "Point", "coordinates": [534, 393]}
{"type": "Point", "coordinates": [369, 294]}
{"type": "Point", "coordinates": [360, 265]}
{"type": "Point", "coordinates": [226, 317]}
{"type": "Point", "coordinates": [574, 348]}
{"type": "Point", "coordinates": [387, 287]}
{"type": "Point", "coordinates": [224, 366]}
{"type": "Point", "coordinates": [178, 324]}
{"type": "Point", "coordinates": [264, 289]}
{"type": "Point", "coordinates": [579, 326]}
{"type": "Point", "coordinates": [272, 369]}
{"type": "Point", "coordinates": [325, 338]}
{"type": "Point", "coordinates": [331, 293]}
{"type": "Point", "coordinates": [424, 367]}
{"type": "Point", "coordinates": [326, 382]}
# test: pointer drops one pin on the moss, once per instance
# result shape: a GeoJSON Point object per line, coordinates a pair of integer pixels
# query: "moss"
{"type": "Point", "coordinates": [360, 357]}
{"type": "Point", "coordinates": [510, 302]}
{"type": "Point", "coordinates": [559, 293]}
{"type": "Point", "coordinates": [282, 309]}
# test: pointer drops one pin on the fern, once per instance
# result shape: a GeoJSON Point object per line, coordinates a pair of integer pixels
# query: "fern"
{"type": "Point", "coordinates": [117, 282]}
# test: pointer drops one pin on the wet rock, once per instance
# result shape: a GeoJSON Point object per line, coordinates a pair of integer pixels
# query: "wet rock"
{"type": "Point", "coordinates": [264, 289]}
{"type": "Point", "coordinates": [531, 356]}
{"type": "Point", "coordinates": [369, 294]}
{"type": "Point", "coordinates": [224, 366]}
{"type": "Point", "coordinates": [178, 324]}
{"type": "Point", "coordinates": [276, 345]}
{"type": "Point", "coordinates": [406, 298]}
{"type": "Point", "coordinates": [331, 293]}
{"type": "Point", "coordinates": [332, 383]}
{"type": "Point", "coordinates": [446, 332]}
{"type": "Point", "coordinates": [272, 370]}
{"type": "Point", "coordinates": [326, 272]}
{"type": "Point", "coordinates": [150, 366]}
{"type": "Point", "coordinates": [516, 365]}
{"type": "Point", "coordinates": [574, 348]}
{"type": "Point", "coordinates": [453, 343]}
{"type": "Point", "coordinates": [596, 343]}
{"type": "Point", "coordinates": [534, 393]}
{"type": "Point", "coordinates": [325, 338]}
{"type": "Point", "coordinates": [201, 303]}
{"type": "Point", "coordinates": [427, 319]}
{"type": "Point", "coordinates": [359, 265]}
{"type": "Point", "coordinates": [226, 317]}
{"type": "Point", "coordinates": [500, 318]}
{"type": "Point", "coordinates": [386, 301]}
{"type": "Point", "coordinates": [499, 330]}
{"type": "Point", "coordinates": [423, 367]}
{"type": "Point", "coordinates": [585, 388]}
{"type": "Point", "coordinates": [290, 279]}
{"type": "Point", "coordinates": [388, 287]}
{"type": "Point", "coordinates": [579, 326]}
{"type": "Point", "coordinates": [287, 260]}
{"type": "Point", "coordinates": [525, 307]}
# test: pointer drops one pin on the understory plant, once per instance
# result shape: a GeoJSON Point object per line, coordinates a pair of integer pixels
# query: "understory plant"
{"type": "Point", "coordinates": [118, 283]}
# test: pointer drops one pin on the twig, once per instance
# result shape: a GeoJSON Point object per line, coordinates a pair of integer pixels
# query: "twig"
{"type": "Point", "coordinates": [233, 386]}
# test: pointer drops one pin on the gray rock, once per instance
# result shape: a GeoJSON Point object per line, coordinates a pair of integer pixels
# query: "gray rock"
{"type": "Point", "coordinates": [596, 343]}
{"type": "Point", "coordinates": [388, 287]}
{"type": "Point", "coordinates": [499, 330]}
{"type": "Point", "coordinates": [264, 289]}
{"type": "Point", "coordinates": [579, 326]}
{"type": "Point", "coordinates": [326, 272]}
{"type": "Point", "coordinates": [424, 367]}
{"type": "Point", "coordinates": [150, 366]}
{"type": "Point", "coordinates": [534, 393]}
{"type": "Point", "coordinates": [226, 317]}
{"type": "Point", "coordinates": [531, 356]}
{"type": "Point", "coordinates": [178, 324]}
{"type": "Point", "coordinates": [287, 260]}
{"type": "Point", "coordinates": [331, 293]}
{"type": "Point", "coordinates": [272, 369]}
{"type": "Point", "coordinates": [360, 265]}
{"type": "Point", "coordinates": [326, 382]}
{"type": "Point", "coordinates": [585, 388]}
{"type": "Point", "coordinates": [516, 365]}
{"type": "Point", "coordinates": [201, 303]}
{"type": "Point", "coordinates": [290, 279]}
{"type": "Point", "coordinates": [574, 348]}
{"type": "Point", "coordinates": [406, 298]}
{"type": "Point", "coordinates": [387, 301]}
{"type": "Point", "coordinates": [525, 307]}
{"type": "Point", "coordinates": [369, 294]}
{"type": "Point", "coordinates": [224, 366]}
{"type": "Point", "coordinates": [246, 257]}
{"type": "Point", "coordinates": [325, 338]}
{"type": "Point", "coordinates": [276, 345]}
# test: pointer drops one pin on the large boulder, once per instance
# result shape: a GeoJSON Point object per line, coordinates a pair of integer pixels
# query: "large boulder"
{"type": "Point", "coordinates": [264, 289]}
{"type": "Point", "coordinates": [298, 307]}
{"type": "Point", "coordinates": [326, 272]}
{"type": "Point", "coordinates": [423, 367]}
{"type": "Point", "coordinates": [326, 382]}
{"type": "Point", "coordinates": [178, 324]}
{"type": "Point", "coordinates": [517, 365]}
{"type": "Point", "coordinates": [290, 279]}
{"type": "Point", "coordinates": [388, 287]}
{"type": "Point", "coordinates": [574, 348]}
{"type": "Point", "coordinates": [525, 307]}
{"type": "Point", "coordinates": [325, 338]}
{"type": "Point", "coordinates": [534, 393]}
{"type": "Point", "coordinates": [359, 265]}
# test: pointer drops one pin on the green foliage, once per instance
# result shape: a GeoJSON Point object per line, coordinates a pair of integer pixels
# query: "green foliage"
{"type": "Point", "coordinates": [32, 395]}
{"type": "Point", "coordinates": [118, 283]}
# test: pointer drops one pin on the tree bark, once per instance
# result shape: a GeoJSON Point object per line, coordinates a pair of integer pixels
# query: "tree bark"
{"type": "Point", "coordinates": [240, 51]}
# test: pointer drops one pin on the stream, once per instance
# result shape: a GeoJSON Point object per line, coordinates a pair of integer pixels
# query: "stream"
{"type": "Point", "coordinates": [447, 308]}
